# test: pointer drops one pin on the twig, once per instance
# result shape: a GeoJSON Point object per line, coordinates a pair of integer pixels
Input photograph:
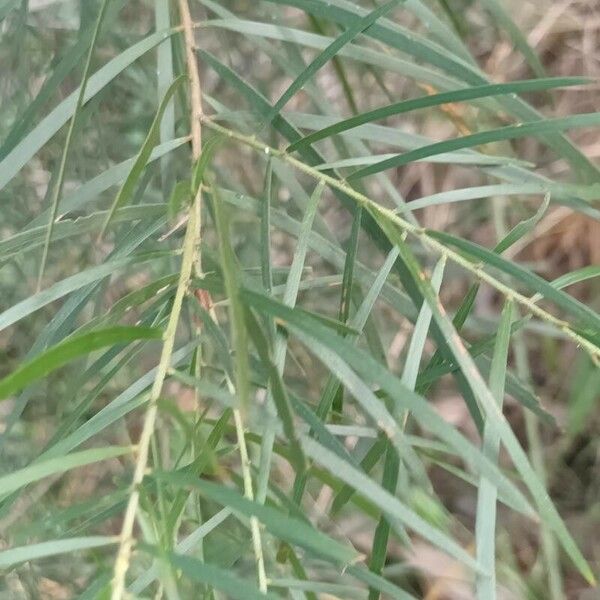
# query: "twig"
{"type": "Point", "coordinates": [126, 538]}
{"type": "Point", "coordinates": [196, 118]}
{"type": "Point", "coordinates": [417, 232]}
{"type": "Point", "coordinates": [195, 88]}
{"type": "Point", "coordinates": [190, 261]}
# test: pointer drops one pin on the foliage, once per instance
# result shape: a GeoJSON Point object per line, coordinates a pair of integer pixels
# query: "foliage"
{"type": "Point", "coordinates": [201, 397]}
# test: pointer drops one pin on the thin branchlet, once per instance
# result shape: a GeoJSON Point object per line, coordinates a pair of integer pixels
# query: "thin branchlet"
{"type": "Point", "coordinates": [417, 232]}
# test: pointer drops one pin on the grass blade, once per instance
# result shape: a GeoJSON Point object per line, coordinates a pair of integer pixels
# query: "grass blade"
{"type": "Point", "coordinates": [280, 524]}
{"type": "Point", "coordinates": [278, 391]}
{"type": "Point", "coordinates": [392, 464]}
{"type": "Point", "coordinates": [495, 418]}
{"type": "Point", "coordinates": [586, 316]}
{"type": "Point", "coordinates": [370, 370]}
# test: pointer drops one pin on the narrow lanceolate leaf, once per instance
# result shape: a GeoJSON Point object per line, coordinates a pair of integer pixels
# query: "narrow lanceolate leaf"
{"type": "Point", "coordinates": [512, 132]}
{"type": "Point", "coordinates": [419, 337]}
{"type": "Point", "coordinates": [572, 278]}
{"type": "Point", "coordinates": [462, 95]}
{"type": "Point", "coordinates": [424, 51]}
{"type": "Point", "coordinates": [372, 372]}
{"type": "Point", "coordinates": [164, 68]}
{"type": "Point", "coordinates": [346, 294]}
{"type": "Point", "coordinates": [69, 350]}
{"type": "Point", "coordinates": [14, 481]}
{"type": "Point", "coordinates": [278, 391]}
{"type": "Point", "coordinates": [522, 228]}
{"type": "Point", "coordinates": [58, 186]}
{"type": "Point", "coordinates": [392, 465]}
{"type": "Point", "coordinates": [52, 83]}
{"type": "Point", "coordinates": [265, 231]}
{"type": "Point", "coordinates": [186, 545]}
{"type": "Point", "coordinates": [289, 298]}
{"type": "Point", "coordinates": [200, 167]}
{"type": "Point", "coordinates": [152, 139]}
{"type": "Point", "coordinates": [485, 524]}
{"type": "Point", "coordinates": [231, 279]}
{"type": "Point", "coordinates": [386, 501]}
{"type": "Point", "coordinates": [277, 522]}
{"type": "Point", "coordinates": [61, 288]}
{"type": "Point", "coordinates": [502, 18]}
{"type": "Point", "coordinates": [584, 314]}
{"type": "Point", "coordinates": [495, 419]}
{"type": "Point", "coordinates": [216, 577]}
{"type": "Point", "coordinates": [517, 232]}
{"type": "Point", "coordinates": [324, 57]}
{"type": "Point", "coordinates": [19, 156]}
{"type": "Point", "coordinates": [14, 556]}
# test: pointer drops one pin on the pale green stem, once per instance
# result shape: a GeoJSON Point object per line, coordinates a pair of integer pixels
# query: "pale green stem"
{"type": "Point", "coordinates": [126, 539]}
{"type": "Point", "coordinates": [419, 233]}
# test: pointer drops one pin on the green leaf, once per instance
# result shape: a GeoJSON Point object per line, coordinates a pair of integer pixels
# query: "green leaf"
{"type": "Point", "coordinates": [502, 18]}
{"type": "Point", "coordinates": [522, 228]}
{"type": "Point", "coordinates": [572, 278]}
{"type": "Point", "coordinates": [63, 68]}
{"type": "Point", "coordinates": [324, 57]}
{"type": "Point", "coordinates": [179, 199]}
{"type": "Point", "coordinates": [454, 96]}
{"type": "Point", "coordinates": [58, 185]}
{"type": "Point", "coordinates": [485, 523]}
{"type": "Point", "coordinates": [425, 51]}
{"type": "Point", "coordinates": [131, 398]}
{"type": "Point", "coordinates": [265, 230]}
{"type": "Point", "coordinates": [14, 556]}
{"type": "Point", "coordinates": [185, 546]}
{"type": "Point", "coordinates": [279, 393]}
{"type": "Point", "coordinates": [392, 464]}
{"type": "Point", "coordinates": [386, 501]}
{"type": "Point", "coordinates": [75, 282]}
{"type": "Point", "coordinates": [278, 523]}
{"type": "Point", "coordinates": [346, 291]}
{"type": "Point", "coordinates": [216, 577]}
{"type": "Point", "coordinates": [20, 155]}
{"type": "Point", "coordinates": [70, 349]}
{"type": "Point", "coordinates": [585, 315]}
{"type": "Point", "coordinates": [30, 239]}
{"type": "Point", "coordinates": [204, 160]}
{"type": "Point", "coordinates": [45, 468]}
{"type": "Point", "coordinates": [236, 310]}
{"type": "Point", "coordinates": [92, 189]}
{"type": "Point", "coordinates": [371, 371]}
{"type": "Point", "coordinates": [511, 132]}
{"type": "Point", "coordinates": [152, 138]}
{"type": "Point", "coordinates": [494, 417]}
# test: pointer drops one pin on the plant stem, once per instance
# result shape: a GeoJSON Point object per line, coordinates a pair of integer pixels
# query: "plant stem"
{"type": "Point", "coordinates": [419, 233]}
{"type": "Point", "coordinates": [126, 539]}
{"type": "Point", "coordinates": [196, 118]}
